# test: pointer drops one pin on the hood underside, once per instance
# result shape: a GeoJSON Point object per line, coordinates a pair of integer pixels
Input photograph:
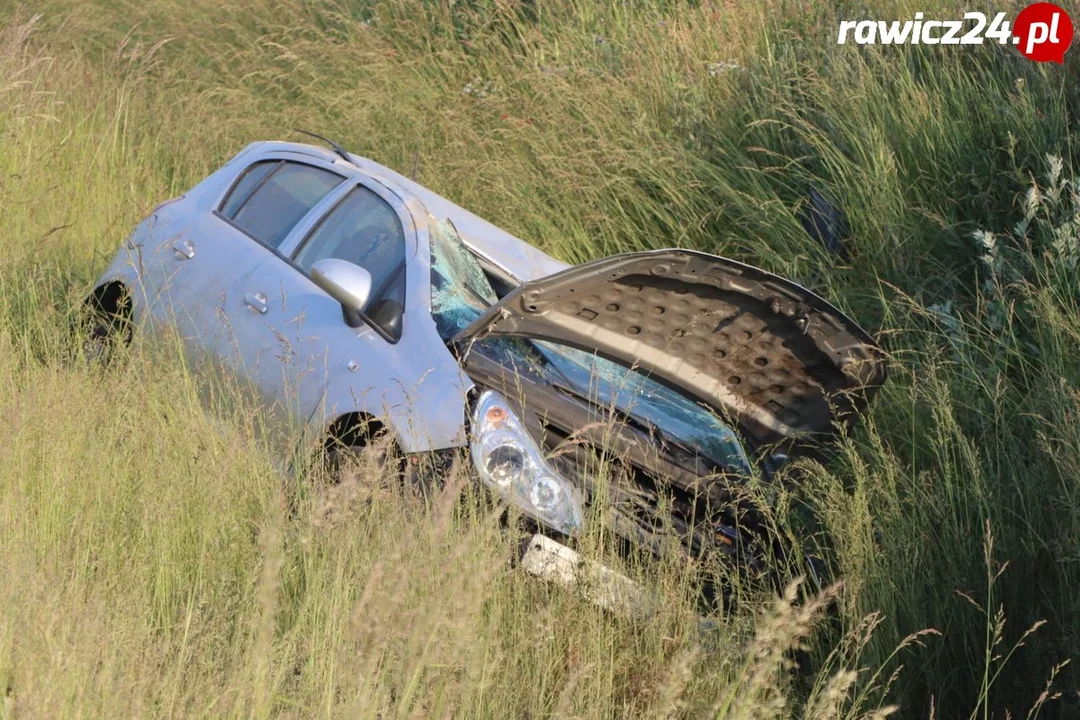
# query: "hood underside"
{"type": "Point", "coordinates": [772, 356]}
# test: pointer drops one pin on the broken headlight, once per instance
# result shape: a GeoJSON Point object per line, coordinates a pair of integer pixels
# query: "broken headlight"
{"type": "Point", "coordinates": [509, 461]}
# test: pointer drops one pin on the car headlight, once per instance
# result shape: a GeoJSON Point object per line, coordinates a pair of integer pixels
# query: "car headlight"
{"type": "Point", "coordinates": [509, 461]}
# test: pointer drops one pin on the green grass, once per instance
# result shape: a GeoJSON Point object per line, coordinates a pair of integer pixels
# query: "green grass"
{"type": "Point", "coordinates": [151, 566]}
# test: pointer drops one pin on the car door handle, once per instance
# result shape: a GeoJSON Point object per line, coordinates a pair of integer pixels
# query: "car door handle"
{"type": "Point", "coordinates": [184, 249]}
{"type": "Point", "coordinates": [257, 302]}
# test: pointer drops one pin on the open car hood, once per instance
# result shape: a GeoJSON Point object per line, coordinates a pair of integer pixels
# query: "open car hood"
{"type": "Point", "coordinates": [766, 353]}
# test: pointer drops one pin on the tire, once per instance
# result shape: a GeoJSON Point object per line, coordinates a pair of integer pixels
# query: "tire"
{"type": "Point", "coordinates": [102, 325]}
{"type": "Point", "coordinates": [368, 448]}
{"type": "Point", "coordinates": [354, 474]}
{"type": "Point", "coordinates": [99, 336]}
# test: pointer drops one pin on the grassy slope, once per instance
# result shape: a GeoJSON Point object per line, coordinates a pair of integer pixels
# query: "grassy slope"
{"type": "Point", "coordinates": [140, 577]}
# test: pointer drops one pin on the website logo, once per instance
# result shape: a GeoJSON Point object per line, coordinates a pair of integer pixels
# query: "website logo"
{"type": "Point", "coordinates": [1041, 32]}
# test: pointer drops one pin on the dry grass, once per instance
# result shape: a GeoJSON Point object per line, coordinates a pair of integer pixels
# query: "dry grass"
{"type": "Point", "coordinates": [153, 564]}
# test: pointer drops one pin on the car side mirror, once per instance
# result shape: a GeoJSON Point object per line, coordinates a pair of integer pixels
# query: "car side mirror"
{"type": "Point", "coordinates": [347, 283]}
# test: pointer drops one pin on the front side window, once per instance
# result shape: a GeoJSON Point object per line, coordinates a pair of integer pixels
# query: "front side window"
{"type": "Point", "coordinates": [366, 231]}
{"type": "Point", "coordinates": [270, 198]}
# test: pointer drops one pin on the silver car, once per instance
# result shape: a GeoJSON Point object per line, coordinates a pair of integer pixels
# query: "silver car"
{"type": "Point", "coordinates": [349, 299]}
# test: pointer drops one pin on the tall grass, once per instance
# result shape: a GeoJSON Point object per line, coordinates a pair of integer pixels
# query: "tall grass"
{"type": "Point", "coordinates": [154, 568]}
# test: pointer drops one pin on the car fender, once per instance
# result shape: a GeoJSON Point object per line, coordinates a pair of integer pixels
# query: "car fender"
{"type": "Point", "coordinates": [123, 268]}
{"type": "Point", "coordinates": [420, 395]}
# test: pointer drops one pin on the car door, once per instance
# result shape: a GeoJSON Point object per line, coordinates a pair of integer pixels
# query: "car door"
{"type": "Point", "coordinates": [292, 336]}
{"type": "Point", "coordinates": [246, 225]}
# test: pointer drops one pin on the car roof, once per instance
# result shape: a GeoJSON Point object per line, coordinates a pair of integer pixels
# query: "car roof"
{"type": "Point", "coordinates": [509, 253]}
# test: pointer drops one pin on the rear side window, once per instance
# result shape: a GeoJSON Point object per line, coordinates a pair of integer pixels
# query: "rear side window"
{"type": "Point", "coordinates": [250, 180]}
{"type": "Point", "coordinates": [366, 231]}
{"type": "Point", "coordinates": [271, 197]}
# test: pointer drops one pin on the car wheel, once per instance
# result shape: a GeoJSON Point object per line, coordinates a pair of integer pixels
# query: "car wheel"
{"type": "Point", "coordinates": [383, 461]}
{"type": "Point", "coordinates": [97, 346]}
{"type": "Point", "coordinates": [375, 454]}
{"type": "Point", "coordinates": [355, 474]}
{"type": "Point", "coordinates": [99, 335]}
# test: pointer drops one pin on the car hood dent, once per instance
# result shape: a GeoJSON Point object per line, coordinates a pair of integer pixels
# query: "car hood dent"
{"type": "Point", "coordinates": [770, 354]}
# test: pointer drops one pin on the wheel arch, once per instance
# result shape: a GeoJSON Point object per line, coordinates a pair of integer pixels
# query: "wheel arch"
{"type": "Point", "coordinates": [112, 300]}
{"type": "Point", "coordinates": [353, 429]}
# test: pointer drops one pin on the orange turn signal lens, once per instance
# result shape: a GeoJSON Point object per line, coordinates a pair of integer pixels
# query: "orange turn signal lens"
{"type": "Point", "coordinates": [495, 416]}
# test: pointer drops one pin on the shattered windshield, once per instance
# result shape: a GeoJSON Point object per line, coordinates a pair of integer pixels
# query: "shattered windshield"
{"type": "Point", "coordinates": [610, 384]}
{"type": "Point", "coordinates": [460, 293]}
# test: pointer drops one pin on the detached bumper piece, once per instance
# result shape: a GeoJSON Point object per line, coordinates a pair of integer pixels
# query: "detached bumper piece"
{"type": "Point", "coordinates": [554, 562]}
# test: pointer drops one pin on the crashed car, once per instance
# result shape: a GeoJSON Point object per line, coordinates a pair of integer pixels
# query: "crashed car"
{"type": "Point", "coordinates": [348, 300]}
